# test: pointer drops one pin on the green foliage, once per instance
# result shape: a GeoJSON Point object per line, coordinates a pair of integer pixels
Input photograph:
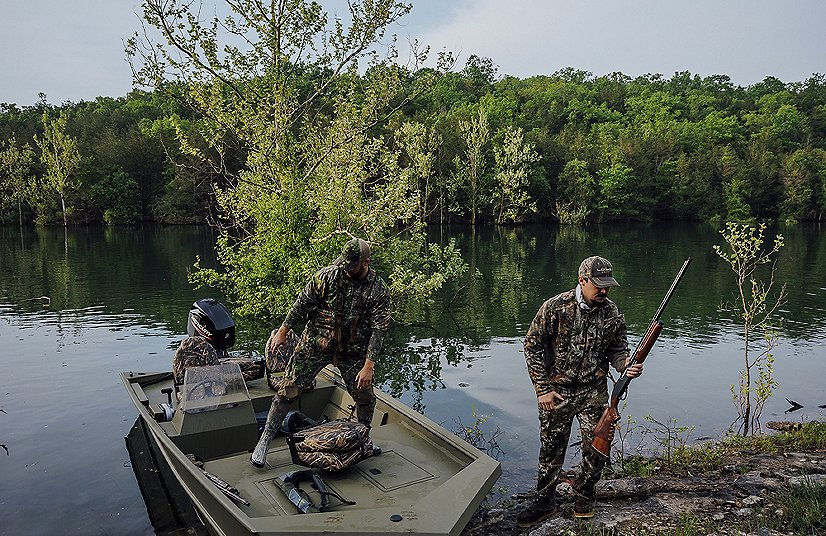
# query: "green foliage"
{"type": "Point", "coordinates": [222, 115]}
{"type": "Point", "coordinates": [117, 194]}
{"type": "Point", "coordinates": [514, 161]}
{"type": "Point", "coordinates": [577, 193]}
{"type": "Point", "coordinates": [314, 166]}
{"type": "Point", "coordinates": [60, 159]}
{"type": "Point", "coordinates": [810, 437]}
{"type": "Point", "coordinates": [15, 177]}
{"type": "Point", "coordinates": [471, 167]}
{"type": "Point", "coordinates": [618, 189]}
{"type": "Point", "coordinates": [477, 435]}
{"type": "Point", "coordinates": [757, 307]}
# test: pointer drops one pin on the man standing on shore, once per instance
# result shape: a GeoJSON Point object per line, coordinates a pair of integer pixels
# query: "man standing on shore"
{"type": "Point", "coordinates": [568, 347]}
{"type": "Point", "coordinates": [347, 310]}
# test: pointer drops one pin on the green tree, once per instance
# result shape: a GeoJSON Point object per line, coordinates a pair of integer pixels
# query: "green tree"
{"type": "Point", "coordinates": [757, 306]}
{"type": "Point", "coordinates": [117, 193]}
{"type": "Point", "coordinates": [15, 175]}
{"type": "Point", "coordinates": [275, 87]}
{"type": "Point", "coordinates": [801, 181]}
{"type": "Point", "coordinates": [576, 192]}
{"type": "Point", "coordinates": [471, 168]}
{"type": "Point", "coordinates": [419, 145]}
{"type": "Point", "coordinates": [514, 160]}
{"type": "Point", "coordinates": [617, 187]}
{"type": "Point", "coordinates": [60, 158]}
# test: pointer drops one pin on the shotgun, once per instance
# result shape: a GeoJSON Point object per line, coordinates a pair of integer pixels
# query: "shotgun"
{"type": "Point", "coordinates": [604, 432]}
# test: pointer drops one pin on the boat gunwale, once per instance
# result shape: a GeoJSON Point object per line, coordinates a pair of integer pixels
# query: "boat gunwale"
{"type": "Point", "coordinates": [488, 469]}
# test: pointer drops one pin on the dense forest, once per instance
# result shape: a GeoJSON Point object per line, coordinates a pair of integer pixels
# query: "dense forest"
{"type": "Point", "coordinates": [569, 146]}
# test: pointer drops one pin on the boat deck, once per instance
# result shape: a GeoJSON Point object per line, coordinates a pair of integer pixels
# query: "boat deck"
{"type": "Point", "coordinates": [425, 480]}
{"type": "Point", "coordinates": [404, 470]}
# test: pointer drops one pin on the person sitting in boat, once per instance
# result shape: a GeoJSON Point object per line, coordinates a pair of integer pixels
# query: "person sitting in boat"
{"type": "Point", "coordinates": [347, 311]}
{"type": "Point", "coordinates": [193, 352]}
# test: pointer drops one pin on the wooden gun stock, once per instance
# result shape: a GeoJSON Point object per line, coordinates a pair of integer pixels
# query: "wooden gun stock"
{"type": "Point", "coordinates": [604, 431]}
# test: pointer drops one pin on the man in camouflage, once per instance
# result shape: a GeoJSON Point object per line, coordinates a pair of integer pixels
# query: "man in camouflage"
{"type": "Point", "coordinates": [568, 347]}
{"type": "Point", "coordinates": [193, 352]}
{"type": "Point", "coordinates": [347, 310]}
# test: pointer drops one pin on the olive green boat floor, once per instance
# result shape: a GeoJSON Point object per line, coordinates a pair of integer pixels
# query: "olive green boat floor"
{"type": "Point", "coordinates": [404, 470]}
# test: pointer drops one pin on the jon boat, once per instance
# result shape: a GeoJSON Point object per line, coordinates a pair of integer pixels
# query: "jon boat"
{"type": "Point", "coordinates": [425, 481]}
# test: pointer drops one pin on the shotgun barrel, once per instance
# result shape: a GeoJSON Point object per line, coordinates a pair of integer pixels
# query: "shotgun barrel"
{"type": "Point", "coordinates": [604, 431]}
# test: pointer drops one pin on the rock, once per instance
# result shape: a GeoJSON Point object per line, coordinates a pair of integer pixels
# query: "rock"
{"type": "Point", "coordinates": [752, 500]}
{"type": "Point", "coordinates": [556, 526]}
{"type": "Point", "coordinates": [754, 483]}
{"type": "Point", "coordinates": [723, 497]}
{"type": "Point", "coordinates": [809, 480]}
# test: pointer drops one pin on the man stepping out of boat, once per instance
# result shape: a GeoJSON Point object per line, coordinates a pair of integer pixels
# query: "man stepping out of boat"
{"type": "Point", "coordinates": [346, 307]}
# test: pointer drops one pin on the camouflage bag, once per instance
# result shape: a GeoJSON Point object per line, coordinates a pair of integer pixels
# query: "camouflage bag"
{"type": "Point", "coordinates": [251, 369]}
{"type": "Point", "coordinates": [331, 446]}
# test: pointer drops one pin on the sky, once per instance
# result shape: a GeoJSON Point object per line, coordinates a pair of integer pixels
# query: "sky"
{"type": "Point", "coordinates": [73, 50]}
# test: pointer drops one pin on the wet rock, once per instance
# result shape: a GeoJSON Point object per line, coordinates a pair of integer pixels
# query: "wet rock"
{"type": "Point", "coordinates": [554, 527]}
{"type": "Point", "coordinates": [751, 501]}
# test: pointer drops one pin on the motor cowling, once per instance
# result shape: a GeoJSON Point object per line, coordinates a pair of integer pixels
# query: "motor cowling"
{"type": "Point", "coordinates": [210, 319]}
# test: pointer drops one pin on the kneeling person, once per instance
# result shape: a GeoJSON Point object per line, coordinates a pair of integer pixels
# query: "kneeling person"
{"type": "Point", "coordinates": [347, 310]}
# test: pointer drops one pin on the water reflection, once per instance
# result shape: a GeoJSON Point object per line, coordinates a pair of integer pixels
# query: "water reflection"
{"type": "Point", "coordinates": [118, 300]}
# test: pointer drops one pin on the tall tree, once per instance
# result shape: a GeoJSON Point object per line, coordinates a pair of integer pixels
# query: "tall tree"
{"type": "Point", "coordinates": [59, 156]}
{"type": "Point", "coordinates": [514, 161]}
{"type": "Point", "coordinates": [15, 175]}
{"type": "Point", "coordinates": [472, 167]}
{"type": "Point", "coordinates": [275, 87]}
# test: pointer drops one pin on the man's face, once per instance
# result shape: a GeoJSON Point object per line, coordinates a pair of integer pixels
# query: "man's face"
{"type": "Point", "coordinates": [593, 295]}
{"type": "Point", "coordinates": [360, 271]}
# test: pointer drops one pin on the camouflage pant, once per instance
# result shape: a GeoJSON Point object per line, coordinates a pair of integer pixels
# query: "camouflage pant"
{"type": "Point", "coordinates": [303, 367]}
{"type": "Point", "coordinates": [554, 433]}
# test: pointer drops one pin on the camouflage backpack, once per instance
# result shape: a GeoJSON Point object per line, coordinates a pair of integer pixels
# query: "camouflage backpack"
{"type": "Point", "coordinates": [331, 446]}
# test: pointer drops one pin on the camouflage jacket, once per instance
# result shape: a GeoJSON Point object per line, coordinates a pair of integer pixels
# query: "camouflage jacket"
{"type": "Point", "coordinates": [343, 315]}
{"type": "Point", "coordinates": [568, 348]}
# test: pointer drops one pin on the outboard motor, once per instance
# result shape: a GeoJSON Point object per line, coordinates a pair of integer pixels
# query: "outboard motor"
{"type": "Point", "coordinates": [210, 319]}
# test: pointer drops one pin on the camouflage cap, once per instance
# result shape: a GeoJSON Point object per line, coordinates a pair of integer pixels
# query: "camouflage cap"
{"type": "Point", "coordinates": [353, 252]}
{"type": "Point", "coordinates": [599, 271]}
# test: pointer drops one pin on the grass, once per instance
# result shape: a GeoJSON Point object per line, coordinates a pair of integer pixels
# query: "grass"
{"type": "Point", "coordinates": [796, 510]}
{"type": "Point", "coordinates": [712, 456]}
{"type": "Point", "coordinates": [799, 510]}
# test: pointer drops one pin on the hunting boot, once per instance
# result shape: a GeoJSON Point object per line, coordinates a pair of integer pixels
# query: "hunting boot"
{"type": "Point", "coordinates": [539, 509]}
{"type": "Point", "coordinates": [278, 410]}
{"type": "Point", "coordinates": [584, 507]}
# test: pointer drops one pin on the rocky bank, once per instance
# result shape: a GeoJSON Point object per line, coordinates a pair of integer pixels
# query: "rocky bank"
{"type": "Point", "coordinates": [743, 485]}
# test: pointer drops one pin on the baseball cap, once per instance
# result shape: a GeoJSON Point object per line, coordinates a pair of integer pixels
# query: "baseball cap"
{"type": "Point", "coordinates": [599, 271]}
{"type": "Point", "coordinates": [353, 252]}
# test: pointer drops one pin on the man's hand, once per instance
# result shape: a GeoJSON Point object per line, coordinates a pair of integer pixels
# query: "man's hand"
{"type": "Point", "coordinates": [364, 378]}
{"type": "Point", "coordinates": [634, 370]}
{"type": "Point", "coordinates": [550, 401]}
{"type": "Point", "coordinates": [277, 338]}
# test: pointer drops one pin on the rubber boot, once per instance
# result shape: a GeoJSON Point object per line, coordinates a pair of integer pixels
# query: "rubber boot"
{"type": "Point", "coordinates": [259, 456]}
{"type": "Point", "coordinates": [278, 410]}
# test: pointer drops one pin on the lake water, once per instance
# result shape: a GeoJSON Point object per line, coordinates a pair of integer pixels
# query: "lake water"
{"type": "Point", "coordinates": [118, 299]}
